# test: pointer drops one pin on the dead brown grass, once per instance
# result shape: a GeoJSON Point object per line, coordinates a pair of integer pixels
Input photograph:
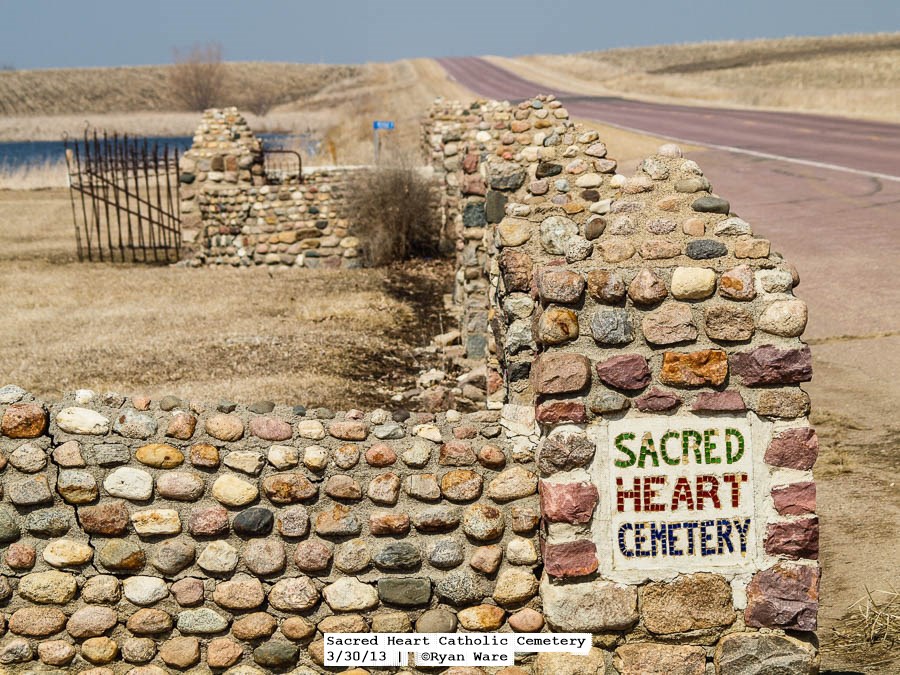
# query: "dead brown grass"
{"type": "Point", "coordinates": [336, 338]}
{"type": "Point", "coordinates": [397, 205]}
{"type": "Point", "coordinates": [53, 127]}
{"type": "Point", "coordinates": [854, 75]}
{"type": "Point", "coordinates": [869, 632]}
{"type": "Point", "coordinates": [33, 176]}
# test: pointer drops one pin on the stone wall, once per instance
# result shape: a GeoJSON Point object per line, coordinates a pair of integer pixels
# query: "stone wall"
{"type": "Point", "coordinates": [631, 309]}
{"type": "Point", "coordinates": [166, 534]}
{"type": "Point", "coordinates": [641, 472]}
{"type": "Point", "coordinates": [465, 142]}
{"type": "Point", "coordinates": [233, 216]}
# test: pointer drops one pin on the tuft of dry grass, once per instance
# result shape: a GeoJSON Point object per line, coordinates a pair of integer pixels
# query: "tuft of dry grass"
{"type": "Point", "coordinates": [855, 75]}
{"type": "Point", "coordinates": [339, 338]}
{"type": "Point", "coordinates": [871, 629]}
{"type": "Point", "coordinates": [876, 617]}
{"type": "Point", "coordinates": [396, 205]}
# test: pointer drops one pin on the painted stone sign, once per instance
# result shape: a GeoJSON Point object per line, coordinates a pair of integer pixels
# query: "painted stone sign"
{"type": "Point", "coordinates": [681, 493]}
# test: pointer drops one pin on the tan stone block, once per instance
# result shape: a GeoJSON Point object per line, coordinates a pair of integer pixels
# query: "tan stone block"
{"type": "Point", "coordinates": [692, 602]}
{"type": "Point", "coordinates": [752, 248]}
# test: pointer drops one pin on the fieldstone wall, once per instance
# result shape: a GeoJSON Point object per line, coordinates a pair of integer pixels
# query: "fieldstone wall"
{"type": "Point", "coordinates": [638, 315]}
{"type": "Point", "coordinates": [446, 122]}
{"type": "Point", "coordinates": [233, 216]}
{"type": "Point", "coordinates": [166, 534]}
{"type": "Point", "coordinates": [467, 144]}
{"type": "Point", "coordinates": [641, 470]}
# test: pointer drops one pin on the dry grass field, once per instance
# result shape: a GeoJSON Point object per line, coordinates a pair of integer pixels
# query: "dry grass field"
{"type": "Point", "coordinates": [336, 103]}
{"type": "Point", "coordinates": [148, 88]}
{"type": "Point", "coordinates": [400, 91]}
{"type": "Point", "coordinates": [856, 75]}
{"type": "Point", "coordinates": [335, 338]}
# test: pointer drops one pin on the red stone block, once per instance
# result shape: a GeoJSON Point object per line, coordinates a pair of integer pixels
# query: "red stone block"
{"type": "Point", "coordinates": [568, 502]}
{"type": "Point", "coordinates": [473, 185]}
{"type": "Point", "coordinates": [571, 559]}
{"type": "Point", "coordinates": [470, 162]}
{"type": "Point", "coordinates": [785, 596]}
{"type": "Point", "coordinates": [657, 400]}
{"type": "Point", "coordinates": [380, 454]}
{"type": "Point", "coordinates": [388, 523]}
{"type": "Point", "coordinates": [456, 453]}
{"type": "Point", "coordinates": [553, 412]}
{"type": "Point", "coordinates": [494, 381]}
{"type": "Point", "coordinates": [464, 432]}
{"type": "Point", "coordinates": [795, 500]}
{"type": "Point", "coordinates": [629, 371]}
{"type": "Point", "coordinates": [515, 267]}
{"type": "Point", "coordinates": [20, 556]}
{"type": "Point", "coordinates": [795, 538]}
{"type": "Point", "coordinates": [560, 285]}
{"type": "Point", "coordinates": [771, 365]}
{"type": "Point", "coordinates": [719, 401]}
{"type": "Point", "coordinates": [349, 430]}
{"type": "Point", "coordinates": [794, 449]}
{"type": "Point", "coordinates": [270, 429]}
{"type": "Point", "coordinates": [560, 373]}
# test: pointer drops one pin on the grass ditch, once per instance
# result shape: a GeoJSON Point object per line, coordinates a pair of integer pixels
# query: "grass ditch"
{"type": "Point", "coordinates": [338, 338]}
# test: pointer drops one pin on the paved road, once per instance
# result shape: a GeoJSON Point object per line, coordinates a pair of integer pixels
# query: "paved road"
{"type": "Point", "coordinates": [869, 147]}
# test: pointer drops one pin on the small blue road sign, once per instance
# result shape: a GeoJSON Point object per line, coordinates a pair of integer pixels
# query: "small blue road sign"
{"type": "Point", "coordinates": [380, 124]}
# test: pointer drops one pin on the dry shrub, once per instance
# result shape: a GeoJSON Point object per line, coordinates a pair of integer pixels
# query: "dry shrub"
{"type": "Point", "coordinates": [261, 98]}
{"type": "Point", "coordinates": [197, 77]}
{"type": "Point", "coordinates": [395, 208]}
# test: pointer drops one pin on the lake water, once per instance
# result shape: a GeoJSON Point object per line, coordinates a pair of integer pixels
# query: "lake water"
{"type": "Point", "coordinates": [14, 154]}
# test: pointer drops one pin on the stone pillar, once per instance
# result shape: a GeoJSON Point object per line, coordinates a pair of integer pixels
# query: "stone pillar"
{"type": "Point", "coordinates": [225, 160]}
{"type": "Point", "coordinates": [659, 341]}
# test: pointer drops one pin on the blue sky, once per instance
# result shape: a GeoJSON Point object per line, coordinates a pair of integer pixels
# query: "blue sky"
{"type": "Point", "coordinates": [66, 33]}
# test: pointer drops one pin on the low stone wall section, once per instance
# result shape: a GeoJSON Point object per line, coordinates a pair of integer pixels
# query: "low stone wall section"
{"type": "Point", "coordinates": [166, 534]}
{"type": "Point", "coordinates": [233, 216]}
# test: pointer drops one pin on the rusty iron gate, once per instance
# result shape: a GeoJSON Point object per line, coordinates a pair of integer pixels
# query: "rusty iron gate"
{"type": "Point", "coordinates": [282, 167]}
{"type": "Point", "coordinates": [125, 199]}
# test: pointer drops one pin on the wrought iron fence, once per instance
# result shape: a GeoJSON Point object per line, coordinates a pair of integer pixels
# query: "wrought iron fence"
{"type": "Point", "coordinates": [282, 167]}
{"type": "Point", "coordinates": [125, 199]}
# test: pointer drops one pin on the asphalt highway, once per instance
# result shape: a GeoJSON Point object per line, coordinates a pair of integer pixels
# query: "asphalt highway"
{"type": "Point", "coordinates": [872, 148]}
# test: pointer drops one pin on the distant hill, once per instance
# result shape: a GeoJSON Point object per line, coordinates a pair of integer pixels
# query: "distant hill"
{"type": "Point", "coordinates": [148, 88]}
{"type": "Point", "coordinates": [853, 75]}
